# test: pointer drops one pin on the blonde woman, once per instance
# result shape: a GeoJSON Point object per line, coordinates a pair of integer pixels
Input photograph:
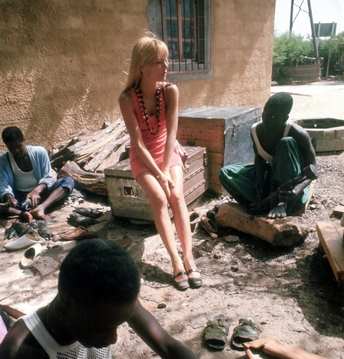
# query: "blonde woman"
{"type": "Point", "coordinates": [149, 106]}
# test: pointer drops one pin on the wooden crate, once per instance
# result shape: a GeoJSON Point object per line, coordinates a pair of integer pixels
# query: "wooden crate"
{"type": "Point", "coordinates": [223, 131]}
{"type": "Point", "coordinates": [127, 197]}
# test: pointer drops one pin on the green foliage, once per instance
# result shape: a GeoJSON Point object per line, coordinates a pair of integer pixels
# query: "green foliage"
{"type": "Point", "coordinates": [333, 48]}
{"type": "Point", "coordinates": [290, 51]}
{"type": "Point", "coordinates": [294, 50]}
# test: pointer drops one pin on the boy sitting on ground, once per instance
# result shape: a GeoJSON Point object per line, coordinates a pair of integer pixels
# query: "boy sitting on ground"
{"type": "Point", "coordinates": [27, 184]}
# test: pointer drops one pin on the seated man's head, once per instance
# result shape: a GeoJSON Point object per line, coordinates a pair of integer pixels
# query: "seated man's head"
{"type": "Point", "coordinates": [14, 140]}
{"type": "Point", "coordinates": [98, 287]}
{"type": "Point", "coordinates": [276, 111]}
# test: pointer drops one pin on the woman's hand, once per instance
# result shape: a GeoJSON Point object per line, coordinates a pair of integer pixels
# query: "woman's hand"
{"type": "Point", "coordinates": [166, 182]}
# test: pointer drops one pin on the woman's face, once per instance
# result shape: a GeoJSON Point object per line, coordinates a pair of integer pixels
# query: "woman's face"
{"type": "Point", "coordinates": [157, 70]}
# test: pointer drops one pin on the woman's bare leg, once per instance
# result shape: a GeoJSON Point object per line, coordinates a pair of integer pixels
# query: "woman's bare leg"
{"type": "Point", "coordinates": [159, 204]}
{"type": "Point", "coordinates": [181, 217]}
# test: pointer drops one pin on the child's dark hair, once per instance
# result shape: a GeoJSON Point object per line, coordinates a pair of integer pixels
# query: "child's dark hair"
{"type": "Point", "coordinates": [99, 270]}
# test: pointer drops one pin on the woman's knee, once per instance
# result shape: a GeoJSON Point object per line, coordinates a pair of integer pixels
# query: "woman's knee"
{"type": "Point", "coordinates": [176, 198]}
{"type": "Point", "coordinates": [159, 200]}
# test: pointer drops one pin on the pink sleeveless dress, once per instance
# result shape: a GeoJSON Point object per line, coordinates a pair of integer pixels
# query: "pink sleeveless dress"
{"type": "Point", "coordinates": [154, 142]}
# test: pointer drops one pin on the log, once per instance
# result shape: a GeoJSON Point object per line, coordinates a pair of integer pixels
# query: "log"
{"type": "Point", "coordinates": [331, 240]}
{"type": "Point", "coordinates": [282, 232]}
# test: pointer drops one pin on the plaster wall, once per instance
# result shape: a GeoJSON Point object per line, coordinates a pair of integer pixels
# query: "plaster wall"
{"type": "Point", "coordinates": [241, 56]}
{"type": "Point", "coordinates": [62, 62]}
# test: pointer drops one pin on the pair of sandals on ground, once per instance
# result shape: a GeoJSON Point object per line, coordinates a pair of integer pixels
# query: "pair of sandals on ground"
{"type": "Point", "coordinates": [215, 334]}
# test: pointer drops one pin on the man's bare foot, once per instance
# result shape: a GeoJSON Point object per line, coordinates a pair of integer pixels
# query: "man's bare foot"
{"type": "Point", "coordinates": [26, 217]}
{"type": "Point", "coordinates": [71, 235]}
{"type": "Point", "coordinates": [280, 211]}
{"type": "Point", "coordinates": [38, 213]}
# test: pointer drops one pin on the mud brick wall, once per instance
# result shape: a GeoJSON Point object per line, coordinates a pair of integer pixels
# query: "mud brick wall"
{"type": "Point", "coordinates": [62, 62]}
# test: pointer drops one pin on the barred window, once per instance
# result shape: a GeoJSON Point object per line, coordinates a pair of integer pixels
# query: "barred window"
{"type": "Point", "coordinates": [185, 28]}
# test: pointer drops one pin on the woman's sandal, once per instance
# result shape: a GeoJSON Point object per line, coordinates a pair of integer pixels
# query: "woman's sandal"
{"type": "Point", "coordinates": [195, 282]}
{"type": "Point", "coordinates": [181, 284]}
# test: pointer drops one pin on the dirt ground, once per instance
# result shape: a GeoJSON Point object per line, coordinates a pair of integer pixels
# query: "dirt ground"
{"type": "Point", "coordinates": [291, 294]}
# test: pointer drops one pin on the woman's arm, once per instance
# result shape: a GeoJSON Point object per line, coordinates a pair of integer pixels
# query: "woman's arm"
{"type": "Point", "coordinates": [135, 135]}
{"type": "Point", "coordinates": [172, 98]}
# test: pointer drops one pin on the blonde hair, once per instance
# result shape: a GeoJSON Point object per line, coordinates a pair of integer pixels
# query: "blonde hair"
{"type": "Point", "coordinates": [146, 50]}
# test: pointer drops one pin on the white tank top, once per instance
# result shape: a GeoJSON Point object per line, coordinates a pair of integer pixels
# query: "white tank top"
{"type": "Point", "coordinates": [24, 181]}
{"type": "Point", "coordinates": [57, 351]}
{"type": "Point", "coordinates": [261, 151]}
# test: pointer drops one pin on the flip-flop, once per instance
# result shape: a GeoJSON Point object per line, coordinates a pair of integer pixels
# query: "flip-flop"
{"type": "Point", "coordinates": [19, 243]}
{"type": "Point", "coordinates": [30, 255]}
{"type": "Point", "coordinates": [16, 230]}
{"type": "Point", "coordinates": [182, 284]}
{"type": "Point", "coordinates": [246, 331]}
{"type": "Point", "coordinates": [215, 334]}
{"type": "Point", "coordinates": [195, 282]}
{"type": "Point", "coordinates": [77, 220]}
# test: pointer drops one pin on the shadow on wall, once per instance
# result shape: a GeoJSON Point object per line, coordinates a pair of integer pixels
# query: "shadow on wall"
{"type": "Point", "coordinates": [60, 64]}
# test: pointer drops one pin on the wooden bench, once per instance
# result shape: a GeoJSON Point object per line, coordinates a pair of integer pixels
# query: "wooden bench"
{"type": "Point", "coordinates": [331, 240]}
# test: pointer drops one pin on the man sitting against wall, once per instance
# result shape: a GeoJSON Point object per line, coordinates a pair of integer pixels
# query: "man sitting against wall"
{"type": "Point", "coordinates": [27, 183]}
{"type": "Point", "coordinates": [278, 181]}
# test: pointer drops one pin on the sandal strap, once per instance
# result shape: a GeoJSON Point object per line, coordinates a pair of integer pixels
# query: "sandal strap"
{"type": "Point", "coordinates": [178, 274]}
{"type": "Point", "coordinates": [192, 271]}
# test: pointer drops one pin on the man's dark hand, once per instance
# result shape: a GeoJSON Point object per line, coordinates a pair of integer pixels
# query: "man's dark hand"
{"type": "Point", "coordinates": [11, 200]}
{"type": "Point", "coordinates": [35, 198]}
{"type": "Point", "coordinates": [310, 172]}
{"type": "Point", "coordinates": [286, 195]}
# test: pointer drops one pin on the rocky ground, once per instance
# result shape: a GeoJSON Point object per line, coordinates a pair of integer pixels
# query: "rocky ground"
{"type": "Point", "coordinates": [290, 293]}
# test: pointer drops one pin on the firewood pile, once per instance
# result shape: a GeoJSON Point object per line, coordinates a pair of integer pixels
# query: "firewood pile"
{"type": "Point", "coordinates": [85, 156]}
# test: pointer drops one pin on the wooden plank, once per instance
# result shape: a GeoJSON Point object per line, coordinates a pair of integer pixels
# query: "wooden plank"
{"type": "Point", "coordinates": [115, 145]}
{"type": "Point", "coordinates": [331, 240]}
{"type": "Point", "coordinates": [113, 158]}
{"type": "Point", "coordinates": [279, 232]}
